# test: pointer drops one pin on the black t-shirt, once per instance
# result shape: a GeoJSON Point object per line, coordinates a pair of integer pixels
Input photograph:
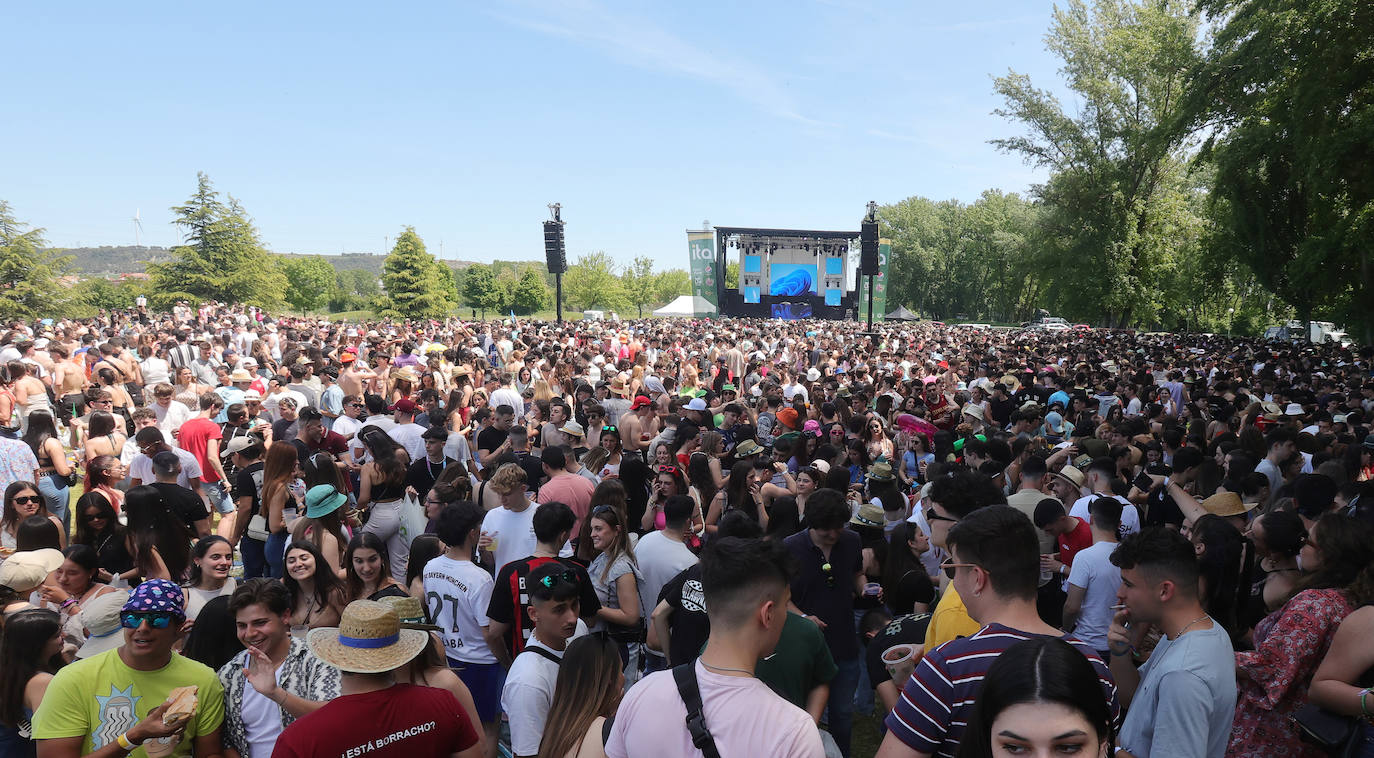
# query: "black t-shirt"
{"type": "Point", "coordinates": [184, 503]}
{"type": "Point", "coordinates": [1162, 509]}
{"type": "Point", "coordinates": [534, 470]}
{"type": "Point", "coordinates": [509, 592]}
{"type": "Point", "coordinates": [422, 474]}
{"type": "Point", "coordinates": [1001, 411]}
{"type": "Point", "coordinates": [688, 625]}
{"type": "Point", "coordinates": [903, 630]}
{"type": "Point", "coordinates": [285, 430]}
{"type": "Point", "coordinates": [491, 438]}
{"type": "Point", "coordinates": [828, 595]}
{"type": "Point", "coordinates": [248, 482]}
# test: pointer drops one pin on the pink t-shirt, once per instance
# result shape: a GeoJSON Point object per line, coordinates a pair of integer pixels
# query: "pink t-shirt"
{"type": "Point", "coordinates": [744, 716]}
{"type": "Point", "coordinates": [571, 490]}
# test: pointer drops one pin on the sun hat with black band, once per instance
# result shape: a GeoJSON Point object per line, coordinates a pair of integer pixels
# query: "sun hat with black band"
{"type": "Point", "coordinates": [368, 640]}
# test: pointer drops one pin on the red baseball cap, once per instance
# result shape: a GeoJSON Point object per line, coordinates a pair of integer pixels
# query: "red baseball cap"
{"type": "Point", "coordinates": [405, 405]}
{"type": "Point", "coordinates": [640, 402]}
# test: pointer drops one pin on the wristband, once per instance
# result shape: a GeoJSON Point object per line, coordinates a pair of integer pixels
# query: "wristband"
{"type": "Point", "coordinates": [126, 744]}
{"type": "Point", "coordinates": [69, 602]}
{"type": "Point", "coordinates": [1364, 707]}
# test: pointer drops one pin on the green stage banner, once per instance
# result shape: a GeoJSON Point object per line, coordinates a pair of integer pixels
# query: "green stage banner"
{"type": "Point", "coordinates": [879, 286]}
{"type": "Point", "coordinates": [701, 249]}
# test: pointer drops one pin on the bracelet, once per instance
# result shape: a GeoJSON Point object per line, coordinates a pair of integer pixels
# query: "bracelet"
{"type": "Point", "coordinates": [1364, 707]}
{"type": "Point", "coordinates": [69, 602]}
{"type": "Point", "coordinates": [126, 744]}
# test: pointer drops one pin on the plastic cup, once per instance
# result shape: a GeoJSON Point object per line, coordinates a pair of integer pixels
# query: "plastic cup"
{"type": "Point", "coordinates": [872, 589]}
{"type": "Point", "coordinates": [900, 661]}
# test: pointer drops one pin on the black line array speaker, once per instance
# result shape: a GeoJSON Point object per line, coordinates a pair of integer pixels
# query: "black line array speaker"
{"type": "Point", "coordinates": [555, 255]}
{"type": "Point", "coordinates": [868, 248]}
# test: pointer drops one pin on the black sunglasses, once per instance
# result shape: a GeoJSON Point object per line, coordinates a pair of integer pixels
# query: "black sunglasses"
{"type": "Point", "coordinates": [931, 515]}
{"type": "Point", "coordinates": [27, 499]}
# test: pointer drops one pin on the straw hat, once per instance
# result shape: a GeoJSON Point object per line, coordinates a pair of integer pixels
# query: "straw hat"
{"type": "Point", "coordinates": [869, 515]}
{"type": "Point", "coordinates": [747, 448]}
{"type": "Point", "coordinates": [368, 640]}
{"type": "Point", "coordinates": [1071, 475]}
{"type": "Point", "coordinates": [618, 385]}
{"type": "Point", "coordinates": [405, 373]}
{"type": "Point", "coordinates": [974, 410]}
{"type": "Point", "coordinates": [880, 472]}
{"type": "Point", "coordinates": [101, 618]}
{"type": "Point", "coordinates": [240, 375]}
{"type": "Point", "coordinates": [410, 611]}
{"type": "Point", "coordinates": [573, 428]}
{"type": "Point", "coordinates": [1226, 504]}
{"type": "Point", "coordinates": [462, 371]}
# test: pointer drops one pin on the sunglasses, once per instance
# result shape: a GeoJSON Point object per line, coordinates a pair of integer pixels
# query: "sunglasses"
{"type": "Point", "coordinates": [950, 567]}
{"type": "Point", "coordinates": [829, 574]}
{"type": "Point", "coordinates": [552, 580]}
{"type": "Point", "coordinates": [28, 499]}
{"type": "Point", "coordinates": [609, 429]}
{"type": "Point", "coordinates": [155, 619]}
{"type": "Point", "coordinates": [601, 509]}
{"type": "Point", "coordinates": [665, 469]}
{"type": "Point", "coordinates": [356, 405]}
{"type": "Point", "coordinates": [931, 515]}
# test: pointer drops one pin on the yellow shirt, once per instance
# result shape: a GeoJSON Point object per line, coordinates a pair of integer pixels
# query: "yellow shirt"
{"type": "Point", "coordinates": [102, 698]}
{"type": "Point", "coordinates": [949, 621]}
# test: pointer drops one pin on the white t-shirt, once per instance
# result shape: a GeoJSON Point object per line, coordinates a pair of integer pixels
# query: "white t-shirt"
{"type": "Point", "coordinates": [171, 418]}
{"type": "Point", "coordinates": [410, 437]}
{"type": "Point", "coordinates": [513, 532]}
{"type": "Point", "coordinates": [528, 693]}
{"type": "Point", "coordinates": [346, 427]}
{"type": "Point", "coordinates": [457, 594]}
{"type": "Point", "coordinates": [1093, 571]}
{"type": "Point", "coordinates": [1130, 517]}
{"type": "Point", "coordinates": [142, 467]}
{"type": "Point", "coordinates": [744, 716]}
{"type": "Point", "coordinates": [660, 559]}
{"type": "Point", "coordinates": [261, 721]}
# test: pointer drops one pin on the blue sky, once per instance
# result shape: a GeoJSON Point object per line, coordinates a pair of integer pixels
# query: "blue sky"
{"type": "Point", "coordinates": [338, 124]}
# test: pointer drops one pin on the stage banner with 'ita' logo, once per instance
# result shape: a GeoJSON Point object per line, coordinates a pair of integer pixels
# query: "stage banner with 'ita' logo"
{"type": "Point", "coordinates": [701, 249]}
{"type": "Point", "coordinates": [879, 285]}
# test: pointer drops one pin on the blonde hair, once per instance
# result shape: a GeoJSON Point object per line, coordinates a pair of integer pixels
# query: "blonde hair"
{"type": "Point", "coordinates": [542, 392]}
{"type": "Point", "coordinates": [507, 478]}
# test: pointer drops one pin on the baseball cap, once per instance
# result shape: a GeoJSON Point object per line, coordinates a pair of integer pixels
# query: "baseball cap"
{"type": "Point", "coordinates": [405, 405]}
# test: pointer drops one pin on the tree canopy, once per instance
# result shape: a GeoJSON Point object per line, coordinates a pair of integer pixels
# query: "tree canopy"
{"type": "Point", "coordinates": [29, 273]}
{"type": "Point", "coordinates": [223, 258]}
{"type": "Point", "coordinates": [417, 286]}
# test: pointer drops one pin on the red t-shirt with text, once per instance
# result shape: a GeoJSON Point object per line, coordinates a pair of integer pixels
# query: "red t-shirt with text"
{"type": "Point", "coordinates": [404, 721]}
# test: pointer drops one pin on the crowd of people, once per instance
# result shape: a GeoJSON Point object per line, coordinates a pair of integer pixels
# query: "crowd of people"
{"type": "Point", "coordinates": [679, 537]}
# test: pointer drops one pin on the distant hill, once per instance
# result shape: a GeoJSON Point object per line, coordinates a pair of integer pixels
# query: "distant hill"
{"type": "Point", "coordinates": [110, 260]}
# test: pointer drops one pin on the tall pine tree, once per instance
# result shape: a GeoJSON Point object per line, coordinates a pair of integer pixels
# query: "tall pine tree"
{"type": "Point", "coordinates": [417, 286]}
{"type": "Point", "coordinates": [223, 258]}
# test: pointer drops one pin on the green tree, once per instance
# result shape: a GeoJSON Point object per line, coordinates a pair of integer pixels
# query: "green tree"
{"type": "Point", "coordinates": [530, 293]}
{"type": "Point", "coordinates": [592, 284]}
{"type": "Point", "coordinates": [732, 275]}
{"type": "Point", "coordinates": [358, 281]}
{"type": "Point", "coordinates": [29, 273]}
{"type": "Point", "coordinates": [223, 258]}
{"type": "Point", "coordinates": [481, 290]}
{"type": "Point", "coordinates": [1285, 92]}
{"type": "Point", "coordinates": [417, 286]}
{"type": "Point", "coordinates": [1116, 161]}
{"type": "Point", "coordinates": [640, 283]}
{"type": "Point", "coordinates": [308, 281]}
{"type": "Point", "coordinates": [671, 283]}
{"type": "Point", "coordinates": [99, 292]}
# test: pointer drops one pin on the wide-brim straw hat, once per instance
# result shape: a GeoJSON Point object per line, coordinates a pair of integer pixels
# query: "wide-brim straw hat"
{"type": "Point", "coordinates": [368, 640]}
{"type": "Point", "coordinates": [1071, 475]}
{"type": "Point", "coordinates": [1226, 504]}
{"type": "Point", "coordinates": [410, 611]}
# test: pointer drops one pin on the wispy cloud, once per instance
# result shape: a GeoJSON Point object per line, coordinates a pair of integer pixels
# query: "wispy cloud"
{"type": "Point", "coordinates": [641, 42]}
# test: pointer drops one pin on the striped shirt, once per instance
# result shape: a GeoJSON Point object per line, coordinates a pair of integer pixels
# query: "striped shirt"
{"type": "Point", "coordinates": [936, 702]}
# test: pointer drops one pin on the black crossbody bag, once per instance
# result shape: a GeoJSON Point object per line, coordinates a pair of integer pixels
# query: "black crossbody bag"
{"type": "Point", "coordinates": [686, 677]}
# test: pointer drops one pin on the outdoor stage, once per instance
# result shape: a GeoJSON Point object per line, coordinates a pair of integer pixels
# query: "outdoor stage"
{"type": "Point", "coordinates": [783, 273]}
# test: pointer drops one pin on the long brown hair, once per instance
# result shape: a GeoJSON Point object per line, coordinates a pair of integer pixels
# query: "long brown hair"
{"type": "Point", "coordinates": [279, 468]}
{"type": "Point", "coordinates": [588, 686]}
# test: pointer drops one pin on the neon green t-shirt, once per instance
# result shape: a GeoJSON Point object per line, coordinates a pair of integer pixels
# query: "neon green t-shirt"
{"type": "Point", "coordinates": [102, 698]}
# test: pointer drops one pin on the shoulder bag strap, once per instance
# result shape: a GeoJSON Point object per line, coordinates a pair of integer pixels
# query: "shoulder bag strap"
{"type": "Point", "coordinates": [541, 651]}
{"type": "Point", "coordinates": [686, 677]}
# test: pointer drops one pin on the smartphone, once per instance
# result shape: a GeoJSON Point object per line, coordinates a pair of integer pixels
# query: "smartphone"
{"type": "Point", "coordinates": [1143, 482]}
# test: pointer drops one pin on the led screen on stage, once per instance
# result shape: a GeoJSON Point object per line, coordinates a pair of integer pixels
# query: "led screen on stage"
{"type": "Point", "coordinates": [753, 264]}
{"type": "Point", "coordinates": [791, 311]}
{"type": "Point", "coordinates": [834, 267]}
{"type": "Point", "coordinates": [789, 279]}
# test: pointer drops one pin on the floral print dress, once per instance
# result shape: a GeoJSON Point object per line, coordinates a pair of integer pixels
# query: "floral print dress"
{"type": "Point", "coordinates": [1273, 678]}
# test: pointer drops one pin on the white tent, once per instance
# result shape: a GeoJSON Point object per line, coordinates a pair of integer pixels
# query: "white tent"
{"type": "Point", "coordinates": [687, 305]}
